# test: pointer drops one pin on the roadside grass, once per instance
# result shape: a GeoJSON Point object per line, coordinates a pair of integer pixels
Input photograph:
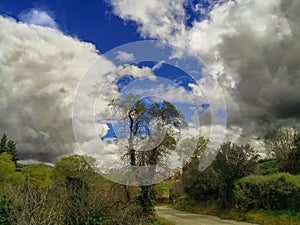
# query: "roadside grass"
{"type": "Point", "coordinates": [263, 217]}
{"type": "Point", "coordinates": [162, 221]}
{"type": "Point", "coordinates": [160, 204]}
{"type": "Point", "coordinates": [286, 217]}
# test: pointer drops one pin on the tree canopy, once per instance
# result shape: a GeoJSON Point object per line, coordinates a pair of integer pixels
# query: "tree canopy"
{"type": "Point", "coordinates": [152, 130]}
{"type": "Point", "coordinates": [9, 146]}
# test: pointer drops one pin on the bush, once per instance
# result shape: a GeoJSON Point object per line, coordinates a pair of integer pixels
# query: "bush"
{"type": "Point", "coordinates": [293, 164]}
{"type": "Point", "coordinates": [268, 167]}
{"type": "Point", "coordinates": [198, 185]}
{"type": "Point", "coordinates": [8, 210]}
{"type": "Point", "coordinates": [163, 192]}
{"type": "Point", "coordinates": [276, 192]}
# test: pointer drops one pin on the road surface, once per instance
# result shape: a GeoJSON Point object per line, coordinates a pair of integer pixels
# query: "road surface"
{"type": "Point", "coordinates": [186, 218]}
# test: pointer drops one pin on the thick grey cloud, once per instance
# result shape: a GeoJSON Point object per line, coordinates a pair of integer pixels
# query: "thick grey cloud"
{"type": "Point", "coordinates": [252, 49]}
{"type": "Point", "coordinates": [266, 66]}
{"type": "Point", "coordinates": [40, 69]}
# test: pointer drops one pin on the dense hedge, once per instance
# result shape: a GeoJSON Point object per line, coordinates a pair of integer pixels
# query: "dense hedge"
{"type": "Point", "coordinates": [268, 167]}
{"type": "Point", "coordinates": [277, 191]}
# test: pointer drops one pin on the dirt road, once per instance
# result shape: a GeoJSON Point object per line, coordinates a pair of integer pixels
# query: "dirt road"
{"type": "Point", "coordinates": [185, 218]}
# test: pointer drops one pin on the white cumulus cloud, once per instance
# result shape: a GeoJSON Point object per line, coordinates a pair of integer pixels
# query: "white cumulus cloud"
{"type": "Point", "coordinates": [40, 69]}
{"type": "Point", "coordinates": [38, 17]}
{"type": "Point", "coordinates": [125, 56]}
{"type": "Point", "coordinates": [251, 48]}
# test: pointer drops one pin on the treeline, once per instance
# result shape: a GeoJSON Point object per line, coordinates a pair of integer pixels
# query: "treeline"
{"type": "Point", "coordinates": [239, 178]}
{"type": "Point", "coordinates": [70, 192]}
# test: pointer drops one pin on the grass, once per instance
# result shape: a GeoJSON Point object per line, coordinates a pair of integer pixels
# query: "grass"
{"type": "Point", "coordinates": [256, 179]}
{"type": "Point", "coordinates": [163, 221]}
{"type": "Point", "coordinates": [263, 217]}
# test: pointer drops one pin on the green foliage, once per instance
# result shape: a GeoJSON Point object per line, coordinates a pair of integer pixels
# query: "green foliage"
{"type": "Point", "coordinates": [267, 167]}
{"type": "Point", "coordinates": [38, 175]}
{"type": "Point", "coordinates": [9, 146]}
{"type": "Point", "coordinates": [72, 177]}
{"type": "Point", "coordinates": [148, 125]}
{"type": "Point", "coordinates": [256, 216]}
{"type": "Point", "coordinates": [228, 189]}
{"type": "Point", "coordinates": [69, 193]}
{"type": "Point", "coordinates": [10, 180]}
{"type": "Point", "coordinates": [8, 174]}
{"type": "Point", "coordinates": [293, 163]}
{"type": "Point", "coordinates": [192, 148]}
{"type": "Point", "coordinates": [267, 217]}
{"type": "Point", "coordinates": [279, 144]}
{"type": "Point", "coordinates": [7, 167]}
{"type": "Point", "coordinates": [199, 185]}
{"type": "Point", "coordinates": [162, 191]}
{"type": "Point", "coordinates": [196, 185]}
{"type": "Point", "coordinates": [85, 197]}
{"type": "Point", "coordinates": [276, 192]}
{"type": "Point", "coordinates": [259, 179]}
{"type": "Point", "coordinates": [8, 210]}
{"type": "Point", "coordinates": [137, 117]}
{"type": "Point", "coordinates": [176, 191]}
{"type": "Point", "coordinates": [232, 163]}
{"type": "Point", "coordinates": [217, 181]}
{"type": "Point", "coordinates": [147, 199]}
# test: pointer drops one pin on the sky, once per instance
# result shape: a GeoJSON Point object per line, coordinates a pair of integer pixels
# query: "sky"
{"type": "Point", "coordinates": [91, 21]}
{"type": "Point", "coordinates": [248, 49]}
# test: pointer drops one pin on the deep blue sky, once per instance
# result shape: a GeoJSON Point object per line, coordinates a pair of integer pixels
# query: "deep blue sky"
{"type": "Point", "coordinates": [91, 20]}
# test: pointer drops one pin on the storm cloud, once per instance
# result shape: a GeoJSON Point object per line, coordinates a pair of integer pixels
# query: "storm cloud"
{"type": "Point", "coordinates": [251, 47]}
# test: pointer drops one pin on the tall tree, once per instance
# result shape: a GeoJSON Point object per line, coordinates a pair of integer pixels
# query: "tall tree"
{"type": "Point", "coordinates": [217, 181]}
{"type": "Point", "coordinates": [293, 163]}
{"type": "Point", "coordinates": [232, 163]}
{"type": "Point", "coordinates": [11, 182]}
{"type": "Point", "coordinates": [192, 148]}
{"type": "Point", "coordinates": [9, 146]}
{"type": "Point", "coordinates": [279, 143]}
{"type": "Point", "coordinates": [151, 128]}
{"type": "Point", "coordinates": [72, 176]}
{"type": "Point", "coordinates": [197, 185]}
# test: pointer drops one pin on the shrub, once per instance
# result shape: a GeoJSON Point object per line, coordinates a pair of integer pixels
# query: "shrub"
{"type": "Point", "coordinates": [268, 167]}
{"type": "Point", "coordinates": [276, 192]}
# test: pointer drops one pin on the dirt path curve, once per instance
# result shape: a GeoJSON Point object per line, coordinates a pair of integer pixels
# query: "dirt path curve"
{"type": "Point", "coordinates": [186, 218]}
